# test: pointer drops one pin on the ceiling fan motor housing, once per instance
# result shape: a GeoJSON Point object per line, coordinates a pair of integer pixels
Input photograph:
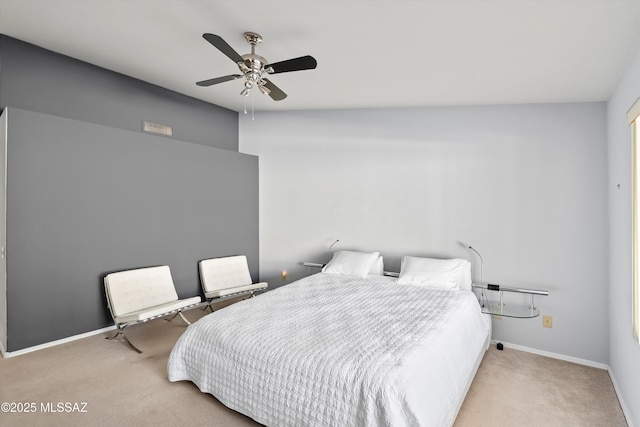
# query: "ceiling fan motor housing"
{"type": "Point", "coordinates": [252, 68]}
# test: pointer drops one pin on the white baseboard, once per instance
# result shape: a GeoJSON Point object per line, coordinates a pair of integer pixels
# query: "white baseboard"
{"type": "Point", "coordinates": [556, 356]}
{"type": "Point", "coordinates": [625, 409]}
{"type": "Point", "coordinates": [7, 354]}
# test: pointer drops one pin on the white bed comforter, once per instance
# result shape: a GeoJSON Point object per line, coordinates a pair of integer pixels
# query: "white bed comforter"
{"type": "Point", "coordinates": [331, 350]}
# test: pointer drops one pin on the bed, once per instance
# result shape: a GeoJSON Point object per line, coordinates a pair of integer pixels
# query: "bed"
{"type": "Point", "coordinates": [340, 349]}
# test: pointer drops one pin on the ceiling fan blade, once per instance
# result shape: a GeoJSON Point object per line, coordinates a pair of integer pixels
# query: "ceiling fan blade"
{"type": "Point", "coordinates": [295, 64]}
{"type": "Point", "coordinates": [217, 80]}
{"type": "Point", "coordinates": [223, 47]}
{"type": "Point", "coordinates": [274, 91]}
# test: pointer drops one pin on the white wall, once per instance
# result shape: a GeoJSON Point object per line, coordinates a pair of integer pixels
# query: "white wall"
{"type": "Point", "coordinates": [624, 351]}
{"type": "Point", "coordinates": [525, 185]}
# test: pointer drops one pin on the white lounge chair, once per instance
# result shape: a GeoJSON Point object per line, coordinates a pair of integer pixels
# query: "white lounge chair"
{"type": "Point", "coordinates": [137, 296]}
{"type": "Point", "coordinates": [227, 277]}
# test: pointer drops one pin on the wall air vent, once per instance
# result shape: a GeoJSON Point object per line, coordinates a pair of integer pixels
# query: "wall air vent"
{"type": "Point", "coordinates": [157, 129]}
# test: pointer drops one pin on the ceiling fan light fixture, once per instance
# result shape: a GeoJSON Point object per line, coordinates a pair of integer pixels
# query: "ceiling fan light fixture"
{"type": "Point", "coordinates": [245, 91]}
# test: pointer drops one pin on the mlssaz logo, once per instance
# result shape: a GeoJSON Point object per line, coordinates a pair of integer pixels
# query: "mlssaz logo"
{"type": "Point", "coordinates": [63, 407]}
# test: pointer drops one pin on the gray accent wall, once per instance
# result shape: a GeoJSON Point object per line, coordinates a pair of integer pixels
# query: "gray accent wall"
{"type": "Point", "coordinates": [85, 199]}
{"type": "Point", "coordinates": [526, 185]}
{"type": "Point", "coordinates": [36, 79]}
{"type": "Point", "coordinates": [3, 222]}
{"type": "Point", "coordinates": [88, 192]}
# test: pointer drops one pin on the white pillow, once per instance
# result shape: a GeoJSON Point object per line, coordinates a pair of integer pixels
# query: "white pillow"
{"type": "Point", "coordinates": [377, 268]}
{"type": "Point", "coordinates": [465, 280]}
{"type": "Point", "coordinates": [437, 273]}
{"type": "Point", "coordinates": [351, 263]}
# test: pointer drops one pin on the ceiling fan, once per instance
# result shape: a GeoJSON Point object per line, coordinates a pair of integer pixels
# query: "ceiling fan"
{"type": "Point", "coordinates": [253, 67]}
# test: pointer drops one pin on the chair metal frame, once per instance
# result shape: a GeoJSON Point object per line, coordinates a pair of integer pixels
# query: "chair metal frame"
{"type": "Point", "coordinates": [121, 326]}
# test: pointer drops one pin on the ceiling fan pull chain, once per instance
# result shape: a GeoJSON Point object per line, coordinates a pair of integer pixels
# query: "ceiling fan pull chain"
{"type": "Point", "coordinates": [245, 105]}
{"type": "Point", "coordinates": [252, 117]}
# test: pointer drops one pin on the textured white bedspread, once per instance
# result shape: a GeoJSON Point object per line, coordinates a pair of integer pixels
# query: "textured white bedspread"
{"type": "Point", "coordinates": [331, 350]}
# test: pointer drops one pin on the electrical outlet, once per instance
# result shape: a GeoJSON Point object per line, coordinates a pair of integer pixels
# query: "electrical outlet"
{"type": "Point", "coordinates": [547, 321]}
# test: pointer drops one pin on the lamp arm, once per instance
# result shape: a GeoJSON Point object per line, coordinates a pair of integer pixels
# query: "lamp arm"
{"type": "Point", "coordinates": [483, 298]}
{"type": "Point", "coordinates": [481, 261]}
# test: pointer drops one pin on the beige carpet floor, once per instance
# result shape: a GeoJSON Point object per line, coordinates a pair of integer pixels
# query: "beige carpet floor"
{"type": "Point", "coordinates": [120, 387]}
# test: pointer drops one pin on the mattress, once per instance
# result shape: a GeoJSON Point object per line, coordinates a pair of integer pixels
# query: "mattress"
{"type": "Point", "coordinates": [338, 350]}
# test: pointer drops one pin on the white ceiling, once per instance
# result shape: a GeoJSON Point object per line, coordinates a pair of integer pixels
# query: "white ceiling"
{"type": "Point", "coordinates": [370, 53]}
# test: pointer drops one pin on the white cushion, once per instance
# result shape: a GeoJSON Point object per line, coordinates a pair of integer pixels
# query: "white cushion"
{"type": "Point", "coordinates": [157, 310]}
{"type": "Point", "coordinates": [226, 275]}
{"type": "Point", "coordinates": [135, 290]}
{"type": "Point", "coordinates": [237, 289]}
{"type": "Point", "coordinates": [351, 263]}
{"type": "Point", "coordinates": [433, 272]}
